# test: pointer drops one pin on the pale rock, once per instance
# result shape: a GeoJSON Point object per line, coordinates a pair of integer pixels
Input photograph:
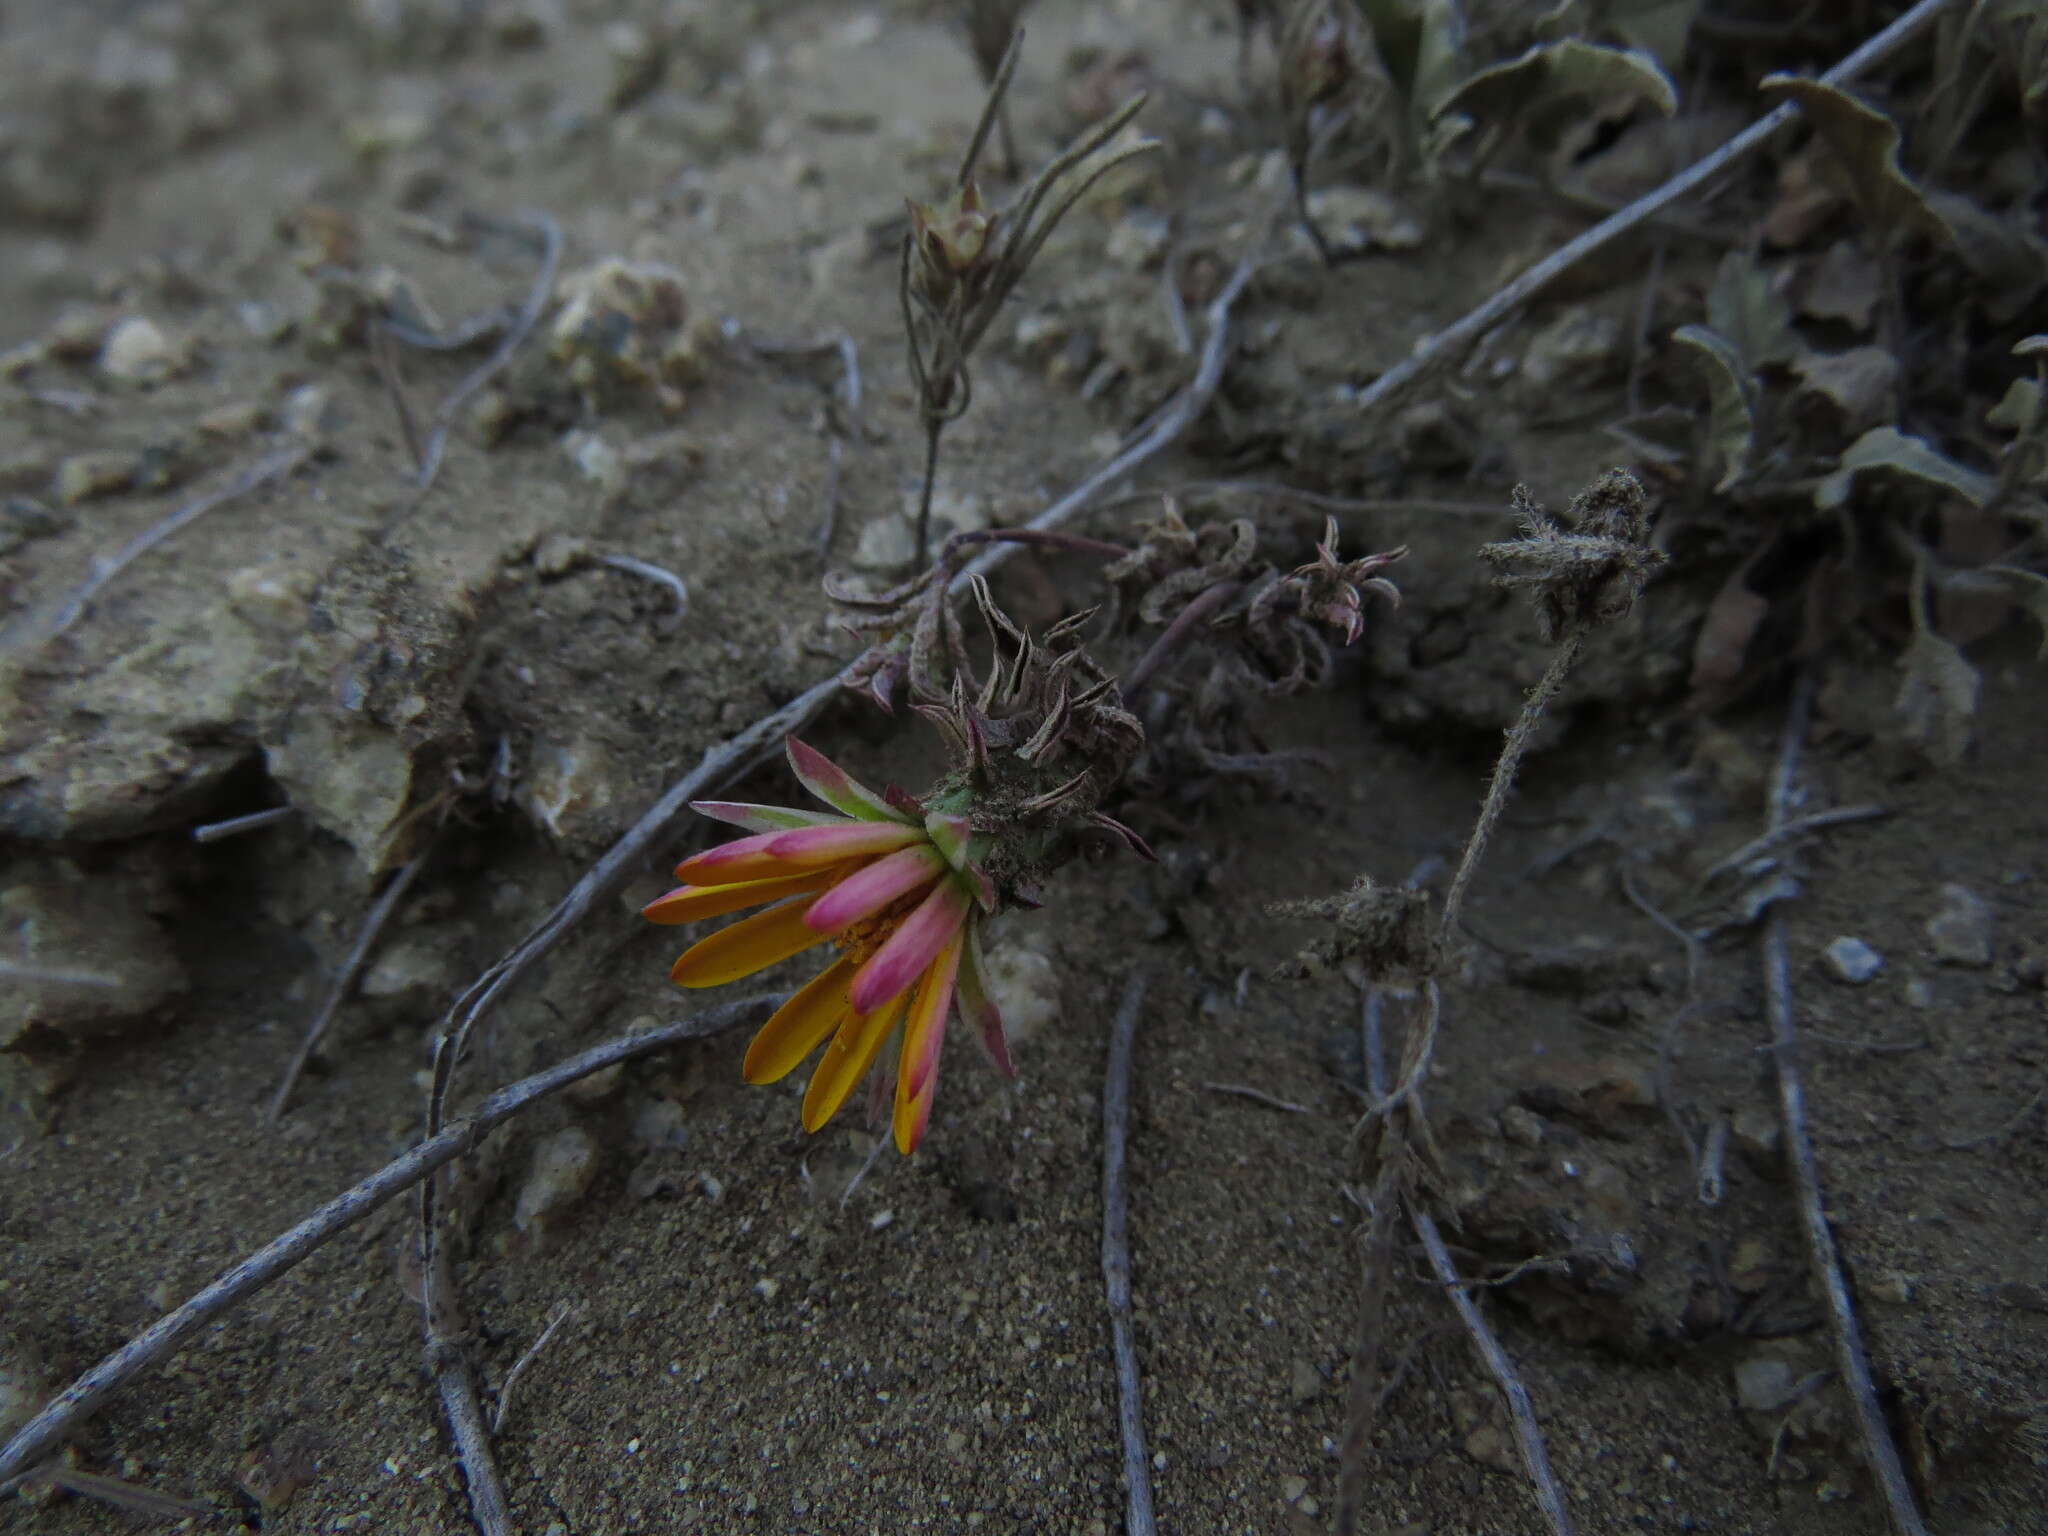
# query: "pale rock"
{"type": "Point", "coordinates": [137, 351]}
{"type": "Point", "coordinates": [885, 544]}
{"type": "Point", "coordinates": [83, 959]}
{"type": "Point", "coordinates": [1580, 347]}
{"type": "Point", "coordinates": [415, 971]}
{"type": "Point", "coordinates": [1025, 985]}
{"type": "Point", "coordinates": [1851, 960]}
{"type": "Point", "coordinates": [232, 422]}
{"type": "Point", "coordinates": [572, 789]}
{"type": "Point", "coordinates": [563, 1166]}
{"type": "Point", "coordinates": [351, 778]}
{"type": "Point", "coordinates": [1362, 219]}
{"type": "Point", "coordinates": [89, 476]}
{"type": "Point", "coordinates": [1522, 1126]}
{"type": "Point", "coordinates": [272, 598]}
{"type": "Point", "coordinates": [1138, 241]}
{"type": "Point", "coordinates": [308, 412]}
{"type": "Point", "coordinates": [1763, 1385]}
{"type": "Point", "coordinates": [596, 460]}
{"type": "Point", "coordinates": [1758, 1134]}
{"type": "Point", "coordinates": [1960, 929]}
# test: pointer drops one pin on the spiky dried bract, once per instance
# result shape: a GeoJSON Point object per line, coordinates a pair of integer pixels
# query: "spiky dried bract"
{"type": "Point", "coordinates": [1589, 572]}
{"type": "Point", "coordinates": [1273, 627]}
{"type": "Point", "coordinates": [1384, 930]}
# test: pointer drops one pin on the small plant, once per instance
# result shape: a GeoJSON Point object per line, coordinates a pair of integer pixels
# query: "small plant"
{"type": "Point", "coordinates": [962, 259]}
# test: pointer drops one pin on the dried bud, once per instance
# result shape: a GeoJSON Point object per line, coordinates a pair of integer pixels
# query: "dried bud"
{"type": "Point", "coordinates": [1383, 929]}
{"type": "Point", "coordinates": [1588, 573]}
{"type": "Point", "coordinates": [1332, 591]}
{"type": "Point", "coordinates": [952, 237]}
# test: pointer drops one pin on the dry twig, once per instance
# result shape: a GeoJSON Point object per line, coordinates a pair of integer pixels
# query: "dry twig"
{"type": "Point", "coordinates": [272, 467]}
{"type": "Point", "coordinates": [435, 444]}
{"type": "Point", "coordinates": [558, 1314]}
{"type": "Point", "coordinates": [1257, 1096]}
{"type": "Point", "coordinates": [235, 826]}
{"type": "Point", "coordinates": [1116, 1260]}
{"type": "Point", "coordinates": [344, 981]}
{"type": "Point", "coordinates": [48, 1429]}
{"type": "Point", "coordinates": [1528, 1434]}
{"type": "Point", "coordinates": [1850, 1356]}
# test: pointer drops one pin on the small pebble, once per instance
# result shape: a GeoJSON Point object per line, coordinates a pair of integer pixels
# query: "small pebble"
{"type": "Point", "coordinates": [1960, 929]}
{"type": "Point", "coordinates": [1293, 1487]}
{"type": "Point", "coordinates": [89, 476]}
{"type": "Point", "coordinates": [1764, 1384]}
{"type": "Point", "coordinates": [1522, 1126]}
{"type": "Point", "coordinates": [563, 1166]}
{"type": "Point", "coordinates": [137, 351]}
{"type": "Point", "coordinates": [1851, 960]}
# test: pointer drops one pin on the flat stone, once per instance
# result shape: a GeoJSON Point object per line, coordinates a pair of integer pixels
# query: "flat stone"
{"type": "Point", "coordinates": [1960, 929]}
{"type": "Point", "coordinates": [1851, 960]}
{"type": "Point", "coordinates": [561, 1171]}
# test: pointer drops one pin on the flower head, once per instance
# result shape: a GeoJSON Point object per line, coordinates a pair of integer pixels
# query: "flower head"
{"type": "Point", "coordinates": [898, 891]}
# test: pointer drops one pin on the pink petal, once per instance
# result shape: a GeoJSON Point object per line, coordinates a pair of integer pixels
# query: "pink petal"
{"type": "Point", "coordinates": [978, 1008]}
{"type": "Point", "coordinates": [835, 786]}
{"type": "Point", "coordinates": [873, 886]}
{"type": "Point", "coordinates": [763, 818]}
{"type": "Point", "coordinates": [783, 853]}
{"type": "Point", "coordinates": [911, 948]}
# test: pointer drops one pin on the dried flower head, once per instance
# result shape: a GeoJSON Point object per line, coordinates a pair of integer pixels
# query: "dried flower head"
{"type": "Point", "coordinates": [1587, 573]}
{"type": "Point", "coordinates": [1383, 930]}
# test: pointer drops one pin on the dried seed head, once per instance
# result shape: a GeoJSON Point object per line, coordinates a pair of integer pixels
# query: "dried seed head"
{"type": "Point", "coordinates": [1383, 930]}
{"type": "Point", "coordinates": [952, 238]}
{"type": "Point", "coordinates": [1587, 573]}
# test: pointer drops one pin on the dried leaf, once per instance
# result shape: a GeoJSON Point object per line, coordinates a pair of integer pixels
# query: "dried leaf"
{"type": "Point", "coordinates": [1938, 697]}
{"type": "Point", "coordinates": [1867, 143]}
{"type": "Point", "coordinates": [1731, 394]}
{"type": "Point", "coordinates": [1553, 75]}
{"type": "Point", "coordinates": [1421, 45]}
{"type": "Point", "coordinates": [1746, 308]}
{"type": "Point", "coordinates": [1843, 286]}
{"type": "Point", "coordinates": [1860, 382]}
{"type": "Point", "coordinates": [2015, 413]}
{"type": "Point", "coordinates": [1732, 620]}
{"type": "Point", "coordinates": [2030, 590]}
{"type": "Point", "coordinates": [2010, 264]}
{"type": "Point", "coordinates": [1889, 448]}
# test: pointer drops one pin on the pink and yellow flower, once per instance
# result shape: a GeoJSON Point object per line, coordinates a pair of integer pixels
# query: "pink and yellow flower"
{"type": "Point", "coordinates": [893, 887]}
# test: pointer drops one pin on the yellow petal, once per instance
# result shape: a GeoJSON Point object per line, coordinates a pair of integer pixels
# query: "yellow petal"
{"type": "Point", "coordinates": [798, 1025]}
{"type": "Point", "coordinates": [749, 945]}
{"type": "Point", "coordinates": [692, 903]}
{"type": "Point", "coordinates": [846, 1061]}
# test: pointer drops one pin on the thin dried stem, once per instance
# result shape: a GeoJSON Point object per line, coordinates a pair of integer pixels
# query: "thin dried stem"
{"type": "Point", "coordinates": [1258, 1096]}
{"type": "Point", "coordinates": [1850, 1357]}
{"type": "Point", "coordinates": [653, 573]}
{"type": "Point", "coordinates": [436, 442]}
{"type": "Point", "coordinates": [1175, 635]}
{"type": "Point", "coordinates": [1116, 1260]}
{"type": "Point", "coordinates": [558, 1314]}
{"type": "Point", "coordinates": [1444, 345]}
{"type": "Point", "coordinates": [49, 1428]}
{"type": "Point", "coordinates": [272, 467]}
{"type": "Point", "coordinates": [235, 826]}
{"type": "Point", "coordinates": [1528, 1434]}
{"type": "Point", "coordinates": [1798, 826]}
{"type": "Point", "coordinates": [1504, 771]}
{"type": "Point", "coordinates": [344, 982]}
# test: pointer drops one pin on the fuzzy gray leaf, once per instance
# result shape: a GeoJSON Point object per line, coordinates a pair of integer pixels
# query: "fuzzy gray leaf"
{"type": "Point", "coordinates": [1889, 448]}
{"type": "Point", "coordinates": [1748, 311]}
{"type": "Point", "coordinates": [1731, 393]}
{"type": "Point", "coordinates": [1554, 73]}
{"type": "Point", "coordinates": [1867, 143]}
